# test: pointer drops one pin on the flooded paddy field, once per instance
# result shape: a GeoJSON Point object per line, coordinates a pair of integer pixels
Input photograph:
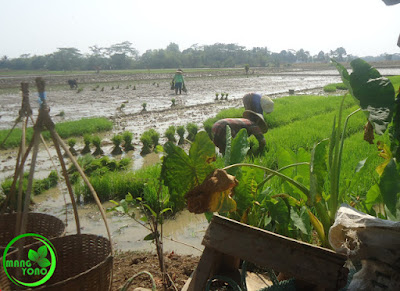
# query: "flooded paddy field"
{"type": "Point", "coordinates": [195, 106]}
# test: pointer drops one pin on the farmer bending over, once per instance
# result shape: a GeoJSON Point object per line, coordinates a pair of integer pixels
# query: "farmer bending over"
{"type": "Point", "coordinates": [253, 122]}
{"type": "Point", "coordinates": [257, 103]}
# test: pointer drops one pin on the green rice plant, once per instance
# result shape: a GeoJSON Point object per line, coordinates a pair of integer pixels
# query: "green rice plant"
{"type": "Point", "coordinates": [102, 89]}
{"type": "Point", "coordinates": [216, 96]}
{"type": "Point", "coordinates": [71, 143]}
{"type": "Point", "coordinates": [144, 105]}
{"type": "Point", "coordinates": [79, 90]}
{"type": "Point", "coordinates": [117, 140]}
{"type": "Point", "coordinates": [192, 131]}
{"type": "Point", "coordinates": [170, 134]}
{"type": "Point", "coordinates": [155, 136]}
{"type": "Point", "coordinates": [147, 142]}
{"type": "Point", "coordinates": [96, 140]}
{"type": "Point", "coordinates": [64, 129]}
{"type": "Point", "coordinates": [173, 100]}
{"type": "Point", "coordinates": [127, 137]}
{"type": "Point", "coordinates": [181, 132]}
{"type": "Point", "coordinates": [134, 87]}
{"type": "Point", "coordinates": [62, 113]}
{"type": "Point", "coordinates": [330, 88]}
{"type": "Point", "coordinates": [222, 96]}
{"type": "Point", "coordinates": [122, 106]}
{"type": "Point", "coordinates": [87, 140]}
{"type": "Point", "coordinates": [226, 96]}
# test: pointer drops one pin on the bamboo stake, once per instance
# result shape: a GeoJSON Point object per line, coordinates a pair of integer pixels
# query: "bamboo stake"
{"type": "Point", "coordinates": [67, 182]}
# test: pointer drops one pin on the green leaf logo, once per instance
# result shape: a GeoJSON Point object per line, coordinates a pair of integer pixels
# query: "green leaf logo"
{"type": "Point", "coordinates": [39, 257]}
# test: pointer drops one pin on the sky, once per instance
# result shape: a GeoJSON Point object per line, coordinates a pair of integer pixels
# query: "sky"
{"type": "Point", "coordinates": [361, 27]}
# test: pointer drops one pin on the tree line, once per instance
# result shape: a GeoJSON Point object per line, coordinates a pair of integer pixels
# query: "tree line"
{"type": "Point", "coordinates": [122, 56]}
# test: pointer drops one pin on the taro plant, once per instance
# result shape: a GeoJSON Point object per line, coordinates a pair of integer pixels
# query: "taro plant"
{"type": "Point", "coordinates": [96, 140]}
{"type": "Point", "coordinates": [127, 137]}
{"type": "Point", "coordinates": [192, 131]}
{"type": "Point", "coordinates": [71, 143]}
{"type": "Point", "coordinates": [117, 140]}
{"type": "Point", "coordinates": [315, 205]}
{"type": "Point", "coordinates": [170, 134]}
{"type": "Point", "coordinates": [87, 140]}
{"type": "Point", "coordinates": [181, 132]}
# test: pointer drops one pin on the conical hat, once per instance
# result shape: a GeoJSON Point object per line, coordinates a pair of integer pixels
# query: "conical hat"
{"type": "Point", "coordinates": [267, 104]}
{"type": "Point", "coordinates": [257, 118]}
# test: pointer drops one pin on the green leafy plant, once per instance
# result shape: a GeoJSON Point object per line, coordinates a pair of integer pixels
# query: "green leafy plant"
{"type": "Point", "coordinates": [87, 140]}
{"type": "Point", "coordinates": [144, 105]}
{"type": "Point", "coordinates": [96, 140]}
{"type": "Point", "coordinates": [151, 218]}
{"type": "Point", "coordinates": [170, 133]}
{"type": "Point", "coordinates": [192, 131]}
{"type": "Point", "coordinates": [117, 140]}
{"type": "Point", "coordinates": [181, 132]}
{"type": "Point", "coordinates": [173, 100]}
{"type": "Point", "coordinates": [71, 143]}
{"type": "Point", "coordinates": [127, 137]}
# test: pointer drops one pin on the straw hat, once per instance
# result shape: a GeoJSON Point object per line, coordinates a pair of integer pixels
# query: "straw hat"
{"type": "Point", "coordinates": [257, 118]}
{"type": "Point", "coordinates": [267, 104]}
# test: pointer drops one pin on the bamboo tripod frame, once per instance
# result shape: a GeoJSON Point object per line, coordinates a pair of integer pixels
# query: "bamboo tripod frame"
{"type": "Point", "coordinates": [43, 122]}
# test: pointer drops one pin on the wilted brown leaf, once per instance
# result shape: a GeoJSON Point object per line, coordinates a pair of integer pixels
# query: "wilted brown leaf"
{"type": "Point", "coordinates": [205, 197]}
{"type": "Point", "coordinates": [369, 132]}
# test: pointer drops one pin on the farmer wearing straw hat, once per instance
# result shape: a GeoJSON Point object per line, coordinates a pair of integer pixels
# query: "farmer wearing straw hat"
{"type": "Point", "coordinates": [178, 81]}
{"type": "Point", "coordinates": [257, 103]}
{"type": "Point", "coordinates": [253, 122]}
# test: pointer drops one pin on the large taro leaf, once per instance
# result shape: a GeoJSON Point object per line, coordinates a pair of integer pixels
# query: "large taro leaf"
{"type": "Point", "coordinates": [374, 93]}
{"type": "Point", "coordinates": [182, 172]}
{"type": "Point", "coordinates": [389, 186]}
{"type": "Point", "coordinates": [238, 149]}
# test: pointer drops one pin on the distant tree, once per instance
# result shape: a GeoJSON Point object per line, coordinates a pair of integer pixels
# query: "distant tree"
{"type": "Point", "coordinates": [302, 56]}
{"type": "Point", "coordinates": [65, 59]}
{"type": "Point", "coordinates": [338, 54]}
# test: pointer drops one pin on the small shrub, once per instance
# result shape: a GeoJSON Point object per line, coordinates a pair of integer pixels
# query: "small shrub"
{"type": "Point", "coordinates": [170, 134]}
{"type": "Point", "coordinates": [192, 130]}
{"type": "Point", "coordinates": [181, 132]}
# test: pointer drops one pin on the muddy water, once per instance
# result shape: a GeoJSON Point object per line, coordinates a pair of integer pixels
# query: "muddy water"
{"type": "Point", "coordinates": [195, 106]}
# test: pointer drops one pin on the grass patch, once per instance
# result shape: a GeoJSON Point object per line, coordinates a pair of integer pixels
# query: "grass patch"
{"type": "Point", "coordinates": [64, 129]}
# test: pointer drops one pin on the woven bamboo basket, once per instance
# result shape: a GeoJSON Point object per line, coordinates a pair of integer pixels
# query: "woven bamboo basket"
{"type": "Point", "coordinates": [84, 262]}
{"type": "Point", "coordinates": [47, 225]}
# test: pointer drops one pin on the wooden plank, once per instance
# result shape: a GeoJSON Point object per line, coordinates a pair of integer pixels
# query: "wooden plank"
{"type": "Point", "coordinates": [209, 262]}
{"type": "Point", "coordinates": [319, 266]}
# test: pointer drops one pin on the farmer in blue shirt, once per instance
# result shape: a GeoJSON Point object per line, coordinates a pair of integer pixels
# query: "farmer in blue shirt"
{"type": "Point", "coordinates": [178, 82]}
{"type": "Point", "coordinates": [257, 103]}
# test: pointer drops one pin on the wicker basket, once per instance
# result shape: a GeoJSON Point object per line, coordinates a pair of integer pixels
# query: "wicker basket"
{"type": "Point", "coordinates": [84, 262]}
{"type": "Point", "coordinates": [47, 225]}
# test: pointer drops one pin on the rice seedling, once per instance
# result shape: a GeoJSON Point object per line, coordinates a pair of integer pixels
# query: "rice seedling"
{"type": "Point", "coordinates": [173, 100]}
{"type": "Point", "coordinates": [216, 96]}
{"type": "Point", "coordinates": [71, 143]}
{"type": "Point", "coordinates": [226, 96]}
{"type": "Point", "coordinates": [330, 88]}
{"type": "Point", "coordinates": [79, 90]}
{"type": "Point", "coordinates": [117, 140]}
{"type": "Point", "coordinates": [192, 131]}
{"type": "Point", "coordinates": [222, 96]}
{"type": "Point", "coordinates": [96, 140]}
{"type": "Point", "coordinates": [181, 132]}
{"type": "Point", "coordinates": [87, 140]}
{"type": "Point", "coordinates": [144, 105]}
{"type": "Point", "coordinates": [127, 137]}
{"type": "Point", "coordinates": [170, 134]}
{"type": "Point", "coordinates": [134, 87]}
{"type": "Point", "coordinates": [145, 138]}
